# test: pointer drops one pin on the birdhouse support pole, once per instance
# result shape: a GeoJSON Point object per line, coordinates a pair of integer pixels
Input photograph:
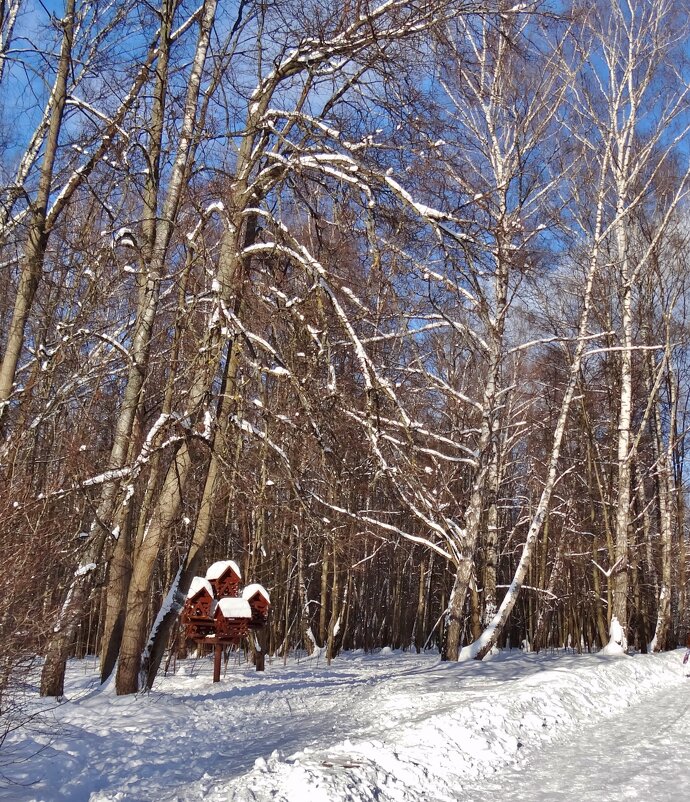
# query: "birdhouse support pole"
{"type": "Point", "coordinates": [218, 653]}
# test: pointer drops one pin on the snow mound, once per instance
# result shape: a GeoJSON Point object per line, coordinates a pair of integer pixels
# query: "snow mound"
{"type": "Point", "coordinates": [616, 638]}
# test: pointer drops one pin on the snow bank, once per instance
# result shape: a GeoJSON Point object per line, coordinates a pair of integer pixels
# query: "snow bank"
{"type": "Point", "coordinates": [434, 756]}
{"type": "Point", "coordinates": [389, 727]}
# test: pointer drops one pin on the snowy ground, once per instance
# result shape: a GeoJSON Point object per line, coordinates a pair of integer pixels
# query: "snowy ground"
{"type": "Point", "coordinates": [389, 727]}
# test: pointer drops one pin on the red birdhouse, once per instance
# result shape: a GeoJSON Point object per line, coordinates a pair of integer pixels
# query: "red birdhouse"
{"type": "Point", "coordinates": [225, 578]}
{"type": "Point", "coordinates": [197, 614]}
{"type": "Point", "coordinates": [232, 617]}
{"type": "Point", "coordinates": [215, 615]}
{"type": "Point", "coordinates": [259, 603]}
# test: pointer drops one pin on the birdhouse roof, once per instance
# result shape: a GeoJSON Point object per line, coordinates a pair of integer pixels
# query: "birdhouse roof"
{"type": "Point", "coordinates": [221, 567]}
{"type": "Point", "coordinates": [251, 590]}
{"type": "Point", "coordinates": [199, 584]}
{"type": "Point", "coordinates": [234, 608]}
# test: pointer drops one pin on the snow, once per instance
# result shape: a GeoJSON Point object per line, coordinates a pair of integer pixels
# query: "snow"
{"type": "Point", "coordinates": [125, 237]}
{"type": "Point", "coordinates": [616, 637]}
{"type": "Point", "coordinates": [165, 608]}
{"type": "Point", "coordinates": [253, 589]}
{"type": "Point", "coordinates": [395, 727]}
{"type": "Point", "coordinates": [197, 584]}
{"type": "Point", "coordinates": [234, 608]}
{"type": "Point", "coordinates": [217, 569]}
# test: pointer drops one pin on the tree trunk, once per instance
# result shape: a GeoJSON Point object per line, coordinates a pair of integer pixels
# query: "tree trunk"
{"type": "Point", "coordinates": [336, 609]}
{"type": "Point", "coordinates": [539, 640]}
{"type": "Point", "coordinates": [146, 553]}
{"type": "Point", "coordinates": [490, 544]}
{"type": "Point", "coordinates": [418, 630]}
{"type": "Point", "coordinates": [494, 630]}
{"type": "Point", "coordinates": [620, 576]}
{"type": "Point", "coordinates": [455, 609]}
{"type": "Point", "coordinates": [38, 234]}
{"type": "Point", "coordinates": [119, 573]}
{"type": "Point", "coordinates": [323, 608]}
{"type": "Point", "coordinates": [308, 638]}
{"type": "Point", "coordinates": [665, 497]}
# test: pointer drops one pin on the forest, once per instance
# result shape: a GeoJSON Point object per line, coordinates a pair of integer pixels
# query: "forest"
{"type": "Point", "coordinates": [384, 300]}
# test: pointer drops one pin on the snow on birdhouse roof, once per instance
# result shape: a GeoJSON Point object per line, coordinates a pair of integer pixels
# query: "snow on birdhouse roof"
{"type": "Point", "coordinates": [234, 608]}
{"type": "Point", "coordinates": [199, 584]}
{"type": "Point", "coordinates": [217, 570]}
{"type": "Point", "coordinates": [252, 590]}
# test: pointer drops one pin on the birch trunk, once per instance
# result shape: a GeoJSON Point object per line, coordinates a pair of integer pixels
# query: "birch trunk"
{"type": "Point", "coordinates": [620, 577]}
{"type": "Point", "coordinates": [454, 611]}
{"type": "Point", "coordinates": [336, 609]}
{"type": "Point", "coordinates": [490, 545]}
{"type": "Point", "coordinates": [493, 631]}
{"type": "Point", "coordinates": [308, 638]}
{"type": "Point", "coordinates": [8, 19]}
{"type": "Point", "coordinates": [663, 453]}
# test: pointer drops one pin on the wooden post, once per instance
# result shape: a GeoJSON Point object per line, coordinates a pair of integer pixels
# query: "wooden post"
{"type": "Point", "coordinates": [216, 661]}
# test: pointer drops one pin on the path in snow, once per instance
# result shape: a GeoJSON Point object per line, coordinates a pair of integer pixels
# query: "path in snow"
{"type": "Point", "coordinates": [640, 754]}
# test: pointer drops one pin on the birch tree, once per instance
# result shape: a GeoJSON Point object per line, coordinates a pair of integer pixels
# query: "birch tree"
{"type": "Point", "coordinates": [498, 103]}
{"type": "Point", "coordinates": [634, 99]}
{"type": "Point", "coordinates": [623, 179]}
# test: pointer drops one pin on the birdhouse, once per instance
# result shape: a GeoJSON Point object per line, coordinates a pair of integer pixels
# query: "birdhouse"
{"type": "Point", "coordinates": [215, 614]}
{"type": "Point", "coordinates": [200, 598]}
{"type": "Point", "coordinates": [225, 578]}
{"type": "Point", "coordinates": [259, 603]}
{"type": "Point", "coordinates": [197, 614]}
{"type": "Point", "coordinates": [232, 617]}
